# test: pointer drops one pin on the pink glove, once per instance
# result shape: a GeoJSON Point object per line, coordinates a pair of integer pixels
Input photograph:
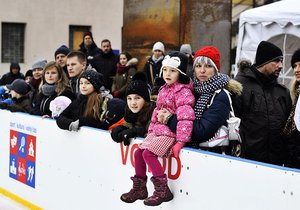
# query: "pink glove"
{"type": "Point", "coordinates": [176, 148]}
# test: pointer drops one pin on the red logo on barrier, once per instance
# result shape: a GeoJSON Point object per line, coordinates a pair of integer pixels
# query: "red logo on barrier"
{"type": "Point", "coordinates": [166, 163]}
{"type": "Point", "coordinates": [13, 143]}
{"type": "Point", "coordinates": [22, 170]}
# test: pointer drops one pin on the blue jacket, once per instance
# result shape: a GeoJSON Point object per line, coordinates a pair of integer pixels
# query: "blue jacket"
{"type": "Point", "coordinates": [212, 119]}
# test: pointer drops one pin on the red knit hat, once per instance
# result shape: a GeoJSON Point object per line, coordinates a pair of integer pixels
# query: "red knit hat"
{"type": "Point", "coordinates": [210, 52]}
{"type": "Point", "coordinates": [88, 33]}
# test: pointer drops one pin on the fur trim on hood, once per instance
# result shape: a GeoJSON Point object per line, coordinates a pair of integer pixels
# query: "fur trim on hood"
{"type": "Point", "coordinates": [244, 64]}
{"type": "Point", "coordinates": [234, 87]}
{"type": "Point", "coordinates": [132, 62]}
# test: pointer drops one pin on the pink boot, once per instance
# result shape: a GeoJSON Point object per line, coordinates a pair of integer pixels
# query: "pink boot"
{"type": "Point", "coordinates": [162, 192]}
{"type": "Point", "coordinates": [138, 191]}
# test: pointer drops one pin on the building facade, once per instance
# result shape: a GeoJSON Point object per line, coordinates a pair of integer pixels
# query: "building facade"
{"type": "Point", "coordinates": [33, 29]}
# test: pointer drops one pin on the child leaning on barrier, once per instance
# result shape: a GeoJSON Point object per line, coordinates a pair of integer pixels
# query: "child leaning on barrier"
{"type": "Point", "coordinates": [88, 109]}
{"type": "Point", "coordinates": [138, 111]}
{"type": "Point", "coordinates": [19, 100]}
{"type": "Point", "coordinates": [175, 95]}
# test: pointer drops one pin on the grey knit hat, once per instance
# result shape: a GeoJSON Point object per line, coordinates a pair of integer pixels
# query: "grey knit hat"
{"type": "Point", "coordinates": [186, 49]}
{"type": "Point", "coordinates": [40, 64]}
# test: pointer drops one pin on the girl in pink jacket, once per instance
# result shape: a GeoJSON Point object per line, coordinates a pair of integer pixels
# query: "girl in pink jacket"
{"type": "Point", "coordinates": [176, 95]}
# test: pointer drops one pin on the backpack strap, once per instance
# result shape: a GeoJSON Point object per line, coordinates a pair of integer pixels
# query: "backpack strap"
{"type": "Point", "coordinates": [213, 97]}
{"type": "Point", "coordinates": [229, 98]}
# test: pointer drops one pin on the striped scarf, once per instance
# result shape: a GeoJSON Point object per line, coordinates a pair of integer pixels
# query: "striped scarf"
{"type": "Point", "coordinates": [206, 90]}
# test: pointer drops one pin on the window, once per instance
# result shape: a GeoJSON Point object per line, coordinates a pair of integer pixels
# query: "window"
{"type": "Point", "coordinates": [76, 36]}
{"type": "Point", "coordinates": [12, 42]}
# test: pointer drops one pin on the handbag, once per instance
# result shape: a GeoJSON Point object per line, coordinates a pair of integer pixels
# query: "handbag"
{"type": "Point", "coordinates": [233, 123]}
{"type": "Point", "coordinates": [226, 135]}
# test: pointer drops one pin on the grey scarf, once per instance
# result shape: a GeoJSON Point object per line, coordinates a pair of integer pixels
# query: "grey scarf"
{"type": "Point", "coordinates": [48, 90]}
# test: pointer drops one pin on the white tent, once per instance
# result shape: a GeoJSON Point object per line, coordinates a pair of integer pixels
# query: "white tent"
{"type": "Point", "coordinates": [278, 23]}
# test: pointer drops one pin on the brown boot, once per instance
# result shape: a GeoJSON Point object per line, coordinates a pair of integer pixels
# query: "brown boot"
{"type": "Point", "coordinates": [162, 192]}
{"type": "Point", "coordinates": [138, 191]}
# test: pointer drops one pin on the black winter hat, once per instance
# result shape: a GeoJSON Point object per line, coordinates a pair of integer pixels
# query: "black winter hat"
{"type": "Point", "coordinates": [28, 73]}
{"type": "Point", "coordinates": [62, 50]}
{"type": "Point", "coordinates": [94, 77]}
{"type": "Point", "coordinates": [267, 52]}
{"type": "Point", "coordinates": [295, 57]}
{"type": "Point", "coordinates": [179, 61]}
{"type": "Point", "coordinates": [115, 110]}
{"type": "Point", "coordinates": [139, 86]}
{"type": "Point", "coordinates": [19, 86]}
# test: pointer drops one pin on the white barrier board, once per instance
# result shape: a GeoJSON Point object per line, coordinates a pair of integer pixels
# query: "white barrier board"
{"type": "Point", "coordinates": [61, 170]}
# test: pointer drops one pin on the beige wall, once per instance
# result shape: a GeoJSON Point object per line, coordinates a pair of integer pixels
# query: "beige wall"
{"type": "Point", "coordinates": [47, 24]}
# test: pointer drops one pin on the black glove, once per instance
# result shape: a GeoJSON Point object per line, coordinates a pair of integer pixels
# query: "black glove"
{"type": "Point", "coordinates": [116, 131]}
{"type": "Point", "coordinates": [126, 135]}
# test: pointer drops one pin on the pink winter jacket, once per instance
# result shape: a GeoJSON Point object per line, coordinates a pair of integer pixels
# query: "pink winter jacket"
{"type": "Point", "coordinates": [178, 99]}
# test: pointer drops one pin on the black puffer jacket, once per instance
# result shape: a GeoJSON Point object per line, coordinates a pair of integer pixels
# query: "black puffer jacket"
{"type": "Point", "coordinates": [106, 64]}
{"type": "Point", "coordinates": [263, 107]}
{"type": "Point", "coordinates": [90, 52]}
{"type": "Point", "coordinates": [9, 77]}
{"type": "Point", "coordinates": [294, 149]}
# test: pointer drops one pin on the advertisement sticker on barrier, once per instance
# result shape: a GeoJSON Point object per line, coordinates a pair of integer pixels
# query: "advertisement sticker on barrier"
{"type": "Point", "coordinates": [22, 153]}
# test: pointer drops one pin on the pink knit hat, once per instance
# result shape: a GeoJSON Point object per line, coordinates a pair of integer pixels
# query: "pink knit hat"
{"type": "Point", "coordinates": [210, 52]}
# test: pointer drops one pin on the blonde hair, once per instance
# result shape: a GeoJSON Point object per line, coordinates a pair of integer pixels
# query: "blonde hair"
{"type": "Point", "coordinates": [93, 106]}
{"type": "Point", "coordinates": [293, 89]}
{"type": "Point", "coordinates": [61, 83]}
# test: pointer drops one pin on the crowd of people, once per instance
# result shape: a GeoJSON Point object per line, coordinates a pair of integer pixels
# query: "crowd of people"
{"type": "Point", "coordinates": [178, 99]}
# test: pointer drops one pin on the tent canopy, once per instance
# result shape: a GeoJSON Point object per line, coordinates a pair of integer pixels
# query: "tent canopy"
{"type": "Point", "coordinates": [278, 23]}
{"type": "Point", "coordinates": [265, 22]}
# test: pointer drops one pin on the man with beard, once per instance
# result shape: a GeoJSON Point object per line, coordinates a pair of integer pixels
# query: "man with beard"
{"type": "Point", "coordinates": [106, 63]}
{"type": "Point", "coordinates": [88, 47]}
{"type": "Point", "coordinates": [263, 107]}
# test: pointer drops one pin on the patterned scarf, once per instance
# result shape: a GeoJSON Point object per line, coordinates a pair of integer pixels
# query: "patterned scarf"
{"type": "Point", "coordinates": [206, 90]}
{"type": "Point", "coordinates": [290, 124]}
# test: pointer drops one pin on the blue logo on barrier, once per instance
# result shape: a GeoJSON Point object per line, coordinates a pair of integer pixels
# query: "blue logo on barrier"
{"type": "Point", "coordinates": [22, 157]}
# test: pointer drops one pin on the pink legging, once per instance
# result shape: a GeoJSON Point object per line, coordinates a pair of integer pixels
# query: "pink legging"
{"type": "Point", "coordinates": [143, 157]}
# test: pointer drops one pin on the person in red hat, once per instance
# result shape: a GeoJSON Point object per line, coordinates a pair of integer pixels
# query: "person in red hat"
{"type": "Point", "coordinates": [212, 104]}
{"type": "Point", "coordinates": [89, 47]}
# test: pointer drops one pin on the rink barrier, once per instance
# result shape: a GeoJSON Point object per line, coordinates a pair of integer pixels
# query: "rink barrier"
{"type": "Point", "coordinates": [44, 167]}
